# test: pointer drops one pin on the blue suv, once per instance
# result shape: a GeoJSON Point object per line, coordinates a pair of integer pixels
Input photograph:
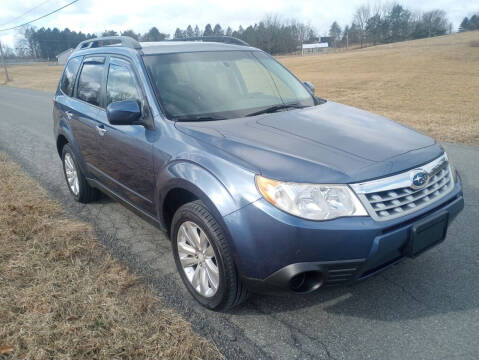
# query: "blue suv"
{"type": "Point", "coordinates": [260, 185]}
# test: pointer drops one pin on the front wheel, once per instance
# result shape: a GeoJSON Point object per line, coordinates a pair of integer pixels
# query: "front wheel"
{"type": "Point", "coordinates": [203, 258]}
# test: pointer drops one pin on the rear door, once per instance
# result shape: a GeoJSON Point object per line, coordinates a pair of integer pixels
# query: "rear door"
{"type": "Point", "coordinates": [88, 103]}
{"type": "Point", "coordinates": [65, 104]}
{"type": "Point", "coordinates": [125, 159]}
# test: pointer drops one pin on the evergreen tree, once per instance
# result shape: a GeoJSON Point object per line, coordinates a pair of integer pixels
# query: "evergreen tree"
{"type": "Point", "coordinates": [335, 32]}
{"type": "Point", "coordinates": [131, 34]}
{"type": "Point", "coordinates": [109, 33]}
{"type": "Point", "coordinates": [464, 25]}
{"type": "Point", "coordinates": [189, 32]}
{"type": "Point", "coordinates": [218, 31]}
{"type": "Point", "coordinates": [474, 22]}
{"type": "Point", "coordinates": [197, 31]}
{"type": "Point", "coordinates": [179, 34]}
{"type": "Point", "coordinates": [208, 30]}
{"type": "Point", "coordinates": [153, 35]}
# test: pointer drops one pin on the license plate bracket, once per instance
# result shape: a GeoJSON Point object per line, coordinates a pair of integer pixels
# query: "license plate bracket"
{"type": "Point", "coordinates": [427, 233]}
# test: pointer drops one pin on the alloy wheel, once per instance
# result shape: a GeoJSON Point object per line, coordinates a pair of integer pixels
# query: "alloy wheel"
{"type": "Point", "coordinates": [198, 259]}
{"type": "Point", "coordinates": [72, 174]}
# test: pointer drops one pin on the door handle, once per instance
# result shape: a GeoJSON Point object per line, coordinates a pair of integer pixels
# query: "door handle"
{"type": "Point", "coordinates": [69, 114]}
{"type": "Point", "coordinates": [101, 130]}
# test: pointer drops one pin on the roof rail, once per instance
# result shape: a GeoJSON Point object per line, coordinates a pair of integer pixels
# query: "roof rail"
{"type": "Point", "coordinates": [217, 38]}
{"type": "Point", "coordinates": [124, 41]}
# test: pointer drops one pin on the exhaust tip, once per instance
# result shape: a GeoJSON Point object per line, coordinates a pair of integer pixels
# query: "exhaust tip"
{"type": "Point", "coordinates": [306, 282]}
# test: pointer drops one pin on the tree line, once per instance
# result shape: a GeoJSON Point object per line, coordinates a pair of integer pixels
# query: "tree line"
{"type": "Point", "coordinates": [272, 34]}
{"type": "Point", "coordinates": [369, 26]}
{"type": "Point", "coordinates": [387, 24]}
{"type": "Point", "coordinates": [47, 43]}
{"type": "Point", "coordinates": [470, 24]}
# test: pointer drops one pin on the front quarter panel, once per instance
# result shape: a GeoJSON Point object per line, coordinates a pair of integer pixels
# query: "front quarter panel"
{"type": "Point", "coordinates": [225, 194]}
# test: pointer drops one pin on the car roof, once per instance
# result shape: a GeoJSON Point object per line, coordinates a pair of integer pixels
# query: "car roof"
{"type": "Point", "coordinates": [162, 47]}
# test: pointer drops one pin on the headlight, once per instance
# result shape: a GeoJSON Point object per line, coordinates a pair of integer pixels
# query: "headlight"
{"type": "Point", "coordinates": [311, 201]}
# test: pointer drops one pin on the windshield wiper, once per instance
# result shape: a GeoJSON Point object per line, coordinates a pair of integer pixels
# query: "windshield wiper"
{"type": "Point", "coordinates": [276, 108]}
{"type": "Point", "coordinates": [200, 118]}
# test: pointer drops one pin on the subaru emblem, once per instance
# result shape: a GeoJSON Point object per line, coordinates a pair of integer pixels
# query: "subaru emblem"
{"type": "Point", "coordinates": [419, 179]}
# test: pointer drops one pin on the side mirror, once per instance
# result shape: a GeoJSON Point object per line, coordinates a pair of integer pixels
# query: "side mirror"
{"type": "Point", "coordinates": [310, 86]}
{"type": "Point", "coordinates": [123, 112]}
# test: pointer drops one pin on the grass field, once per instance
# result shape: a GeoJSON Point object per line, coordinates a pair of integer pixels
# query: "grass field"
{"type": "Point", "coordinates": [64, 297]}
{"type": "Point", "coordinates": [36, 76]}
{"type": "Point", "coordinates": [431, 85]}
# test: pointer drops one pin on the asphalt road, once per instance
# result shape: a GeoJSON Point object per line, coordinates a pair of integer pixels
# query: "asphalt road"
{"type": "Point", "coordinates": [427, 308]}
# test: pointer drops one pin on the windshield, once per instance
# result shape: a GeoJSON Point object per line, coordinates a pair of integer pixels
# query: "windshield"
{"type": "Point", "coordinates": [222, 85]}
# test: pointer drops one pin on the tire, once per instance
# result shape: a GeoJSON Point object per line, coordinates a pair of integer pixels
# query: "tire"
{"type": "Point", "coordinates": [82, 191]}
{"type": "Point", "coordinates": [230, 292]}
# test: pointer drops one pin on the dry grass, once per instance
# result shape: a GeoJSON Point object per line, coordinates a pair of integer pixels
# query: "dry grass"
{"type": "Point", "coordinates": [62, 296]}
{"type": "Point", "coordinates": [42, 77]}
{"type": "Point", "coordinates": [430, 84]}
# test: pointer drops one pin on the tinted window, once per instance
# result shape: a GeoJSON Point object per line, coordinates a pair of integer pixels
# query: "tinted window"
{"type": "Point", "coordinates": [69, 75]}
{"type": "Point", "coordinates": [89, 84]}
{"type": "Point", "coordinates": [121, 84]}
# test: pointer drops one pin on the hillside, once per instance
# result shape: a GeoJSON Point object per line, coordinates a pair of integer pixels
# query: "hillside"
{"type": "Point", "coordinates": [429, 84]}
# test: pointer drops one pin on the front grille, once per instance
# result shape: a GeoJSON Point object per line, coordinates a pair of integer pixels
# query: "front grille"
{"type": "Point", "coordinates": [395, 202]}
{"type": "Point", "coordinates": [394, 196]}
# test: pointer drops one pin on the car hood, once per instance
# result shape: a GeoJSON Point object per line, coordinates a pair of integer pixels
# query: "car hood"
{"type": "Point", "coordinates": [328, 143]}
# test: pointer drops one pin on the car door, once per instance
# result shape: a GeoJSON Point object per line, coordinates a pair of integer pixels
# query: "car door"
{"type": "Point", "coordinates": [85, 108]}
{"type": "Point", "coordinates": [125, 159]}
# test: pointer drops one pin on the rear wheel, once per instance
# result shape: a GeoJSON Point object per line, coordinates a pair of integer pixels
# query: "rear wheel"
{"type": "Point", "coordinates": [203, 258]}
{"type": "Point", "coordinates": [76, 181]}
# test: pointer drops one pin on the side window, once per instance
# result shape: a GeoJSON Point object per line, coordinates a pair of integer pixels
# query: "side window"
{"type": "Point", "coordinates": [121, 84]}
{"type": "Point", "coordinates": [89, 84]}
{"type": "Point", "coordinates": [69, 75]}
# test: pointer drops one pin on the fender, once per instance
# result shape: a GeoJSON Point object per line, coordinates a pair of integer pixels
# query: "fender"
{"type": "Point", "coordinates": [65, 130]}
{"type": "Point", "coordinates": [199, 181]}
{"type": "Point", "coordinates": [205, 186]}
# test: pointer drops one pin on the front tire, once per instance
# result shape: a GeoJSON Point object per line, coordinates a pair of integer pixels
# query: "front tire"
{"type": "Point", "coordinates": [203, 258]}
{"type": "Point", "coordinates": [76, 181]}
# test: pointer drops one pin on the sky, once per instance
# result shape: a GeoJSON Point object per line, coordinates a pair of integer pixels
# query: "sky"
{"type": "Point", "coordinates": [94, 16]}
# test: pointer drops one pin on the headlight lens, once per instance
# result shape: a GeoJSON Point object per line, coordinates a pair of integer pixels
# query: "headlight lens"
{"type": "Point", "coordinates": [311, 201]}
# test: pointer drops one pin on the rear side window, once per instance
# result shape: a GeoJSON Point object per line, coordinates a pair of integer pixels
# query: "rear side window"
{"type": "Point", "coordinates": [89, 83]}
{"type": "Point", "coordinates": [121, 84]}
{"type": "Point", "coordinates": [69, 75]}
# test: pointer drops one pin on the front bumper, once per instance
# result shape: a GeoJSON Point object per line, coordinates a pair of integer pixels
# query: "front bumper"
{"type": "Point", "coordinates": [276, 252]}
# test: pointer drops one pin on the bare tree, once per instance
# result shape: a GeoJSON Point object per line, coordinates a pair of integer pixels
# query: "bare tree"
{"type": "Point", "coordinates": [361, 17]}
{"type": "Point", "coordinates": [435, 23]}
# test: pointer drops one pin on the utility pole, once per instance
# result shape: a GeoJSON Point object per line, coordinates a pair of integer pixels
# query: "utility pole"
{"type": "Point", "coordinates": [7, 79]}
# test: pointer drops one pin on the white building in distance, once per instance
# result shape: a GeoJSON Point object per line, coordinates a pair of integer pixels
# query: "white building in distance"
{"type": "Point", "coordinates": [63, 56]}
